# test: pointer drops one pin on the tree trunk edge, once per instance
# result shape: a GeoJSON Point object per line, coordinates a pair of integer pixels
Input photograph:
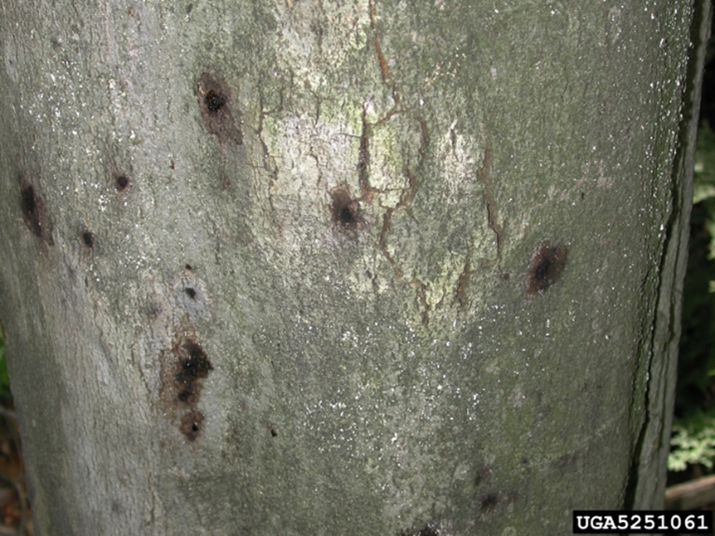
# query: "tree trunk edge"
{"type": "Point", "coordinates": [653, 444]}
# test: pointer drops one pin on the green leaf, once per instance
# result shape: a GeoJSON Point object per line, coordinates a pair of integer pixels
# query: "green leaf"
{"type": "Point", "coordinates": [693, 441]}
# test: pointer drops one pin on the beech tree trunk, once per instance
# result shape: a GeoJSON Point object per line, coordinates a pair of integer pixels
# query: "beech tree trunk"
{"type": "Point", "coordinates": [294, 267]}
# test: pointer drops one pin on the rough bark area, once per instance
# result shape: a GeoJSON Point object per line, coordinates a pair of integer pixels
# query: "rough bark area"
{"type": "Point", "coordinates": [366, 267]}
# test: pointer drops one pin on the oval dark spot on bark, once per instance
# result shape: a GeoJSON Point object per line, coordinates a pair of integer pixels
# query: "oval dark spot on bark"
{"type": "Point", "coordinates": [186, 393]}
{"type": "Point", "coordinates": [347, 216]}
{"type": "Point", "coordinates": [345, 210]}
{"type": "Point", "coordinates": [28, 201]}
{"type": "Point", "coordinates": [214, 102]}
{"type": "Point", "coordinates": [191, 425]}
{"type": "Point", "coordinates": [191, 296]}
{"type": "Point", "coordinates": [488, 502]}
{"type": "Point", "coordinates": [196, 365]}
{"type": "Point", "coordinates": [545, 268]}
{"type": "Point", "coordinates": [88, 239]}
{"type": "Point", "coordinates": [121, 182]}
{"type": "Point", "coordinates": [34, 212]}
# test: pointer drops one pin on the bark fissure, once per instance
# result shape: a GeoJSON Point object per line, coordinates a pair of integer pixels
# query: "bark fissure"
{"type": "Point", "coordinates": [463, 280]}
{"type": "Point", "coordinates": [363, 165]}
{"type": "Point", "coordinates": [485, 178]}
{"type": "Point", "coordinates": [384, 69]}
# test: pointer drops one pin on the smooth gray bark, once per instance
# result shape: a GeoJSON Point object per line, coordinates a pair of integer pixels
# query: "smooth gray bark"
{"type": "Point", "coordinates": [375, 267]}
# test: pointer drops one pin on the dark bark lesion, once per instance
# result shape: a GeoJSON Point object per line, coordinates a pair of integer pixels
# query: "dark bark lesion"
{"type": "Point", "coordinates": [88, 239]}
{"type": "Point", "coordinates": [192, 365]}
{"type": "Point", "coordinates": [121, 182]}
{"type": "Point", "coordinates": [546, 267]}
{"type": "Point", "coordinates": [183, 367]}
{"type": "Point", "coordinates": [191, 425]}
{"type": "Point", "coordinates": [346, 212]}
{"type": "Point", "coordinates": [34, 211]}
{"type": "Point", "coordinates": [214, 97]}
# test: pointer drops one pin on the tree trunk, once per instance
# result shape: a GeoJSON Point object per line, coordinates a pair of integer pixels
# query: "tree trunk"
{"type": "Point", "coordinates": [369, 267]}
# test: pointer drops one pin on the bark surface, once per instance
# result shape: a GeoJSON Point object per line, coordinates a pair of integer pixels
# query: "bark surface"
{"type": "Point", "coordinates": [362, 267]}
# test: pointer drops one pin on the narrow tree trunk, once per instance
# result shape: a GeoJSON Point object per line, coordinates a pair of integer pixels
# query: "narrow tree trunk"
{"type": "Point", "coordinates": [373, 267]}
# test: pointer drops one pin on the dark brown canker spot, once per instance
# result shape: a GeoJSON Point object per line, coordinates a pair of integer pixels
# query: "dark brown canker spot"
{"type": "Point", "coordinates": [345, 210]}
{"type": "Point", "coordinates": [545, 268]}
{"type": "Point", "coordinates": [214, 96]}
